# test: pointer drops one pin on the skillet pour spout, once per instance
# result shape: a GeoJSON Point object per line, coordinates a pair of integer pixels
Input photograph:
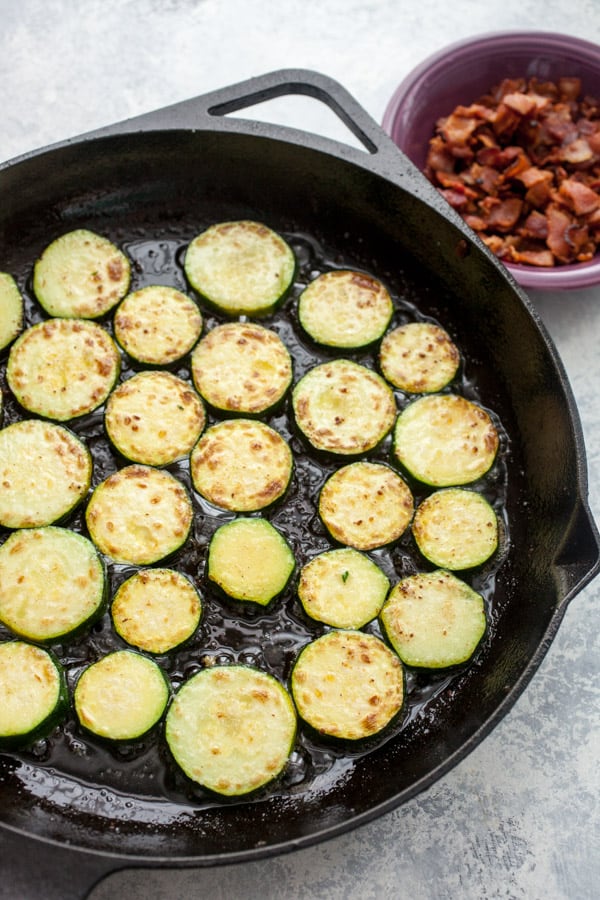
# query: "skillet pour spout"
{"type": "Point", "coordinates": [151, 184]}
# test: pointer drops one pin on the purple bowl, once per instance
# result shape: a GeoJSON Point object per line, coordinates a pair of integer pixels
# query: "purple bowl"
{"type": "Point", "coordinates": [462, 72]}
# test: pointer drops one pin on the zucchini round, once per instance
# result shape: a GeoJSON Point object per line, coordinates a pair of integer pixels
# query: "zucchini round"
{"type": "Point", "coordinates": [156, 610]}
{"type": "Point", "coordinates": [241, 367]}
{"type": "Point", "coordinates": [34, 693]}
{"type": "Point", "coordinates": [157, 325]}
{"type": "Point", "coordinates": [139, 515]}
{"type": "Point", "coordinates": [11, 310]}
{"type": "Point", "coordinates": [343, 407]}
{"type": "Point", "coordinates": [45, 472]}
{"type": "Point", "coordinates": [241, 268]}
{"type": "Point", "coordinates": [63, 368]}
{"type": "Point", "coordinates": [122, 696]}
{"type": "Point", "coordinates": [418, 357]}
{"type": "Point", "coordinates": [342, 588]}
{"type": "Point", "coordinates": [80, 275]}
{"type": "Point", "coordinates": [348, 685]}
{"type": "Point", "coordinates": [433, 620]}
{"type": "Point", "coordinates": [445, 440]}
{"type": "Point", "coordinates": [456, 529]}
{"type": "Point", "coordinates": [345, 309]}
{"type": "Point", "coordinates": [52, 583]}
{"type": "Point", "coordinates": [250, 560]}
{"type": "Point", "coordinates": [154, 418]}
{"type": "Point", "coordinates": [365, 505]}
{"type": "Point", "coordinates": [231, 729]}
{"type": "Point", "coordinates": [241, 465]}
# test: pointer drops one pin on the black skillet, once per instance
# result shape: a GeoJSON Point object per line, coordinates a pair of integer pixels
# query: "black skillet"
{"type": "Point", "coordinates": [72, 812]}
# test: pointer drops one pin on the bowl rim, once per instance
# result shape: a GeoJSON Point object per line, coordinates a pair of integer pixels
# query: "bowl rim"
{"type": "Point", "coordinates": [567, 277]}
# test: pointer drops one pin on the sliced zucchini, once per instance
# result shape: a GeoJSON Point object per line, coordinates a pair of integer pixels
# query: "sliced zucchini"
{"type": "Point", "coordinates": [63, 368]}
{"type": "Point", "coordinates": [122, 696]}
{"type": "Point", "coordinates": [345, 309]}
{"type": "Point", "coordinates": [241, 367]}
{"type": "Point", "coordinates": [343, 407]}
{"type": "Point", "coordinates": [231, 729]}
{"type": "Point", "coordinates": [52, 583]}
{"type": "Point", "coordinates": [11, 310]}
{"type": "Point", "coordinates": [139, 515]}
{"type": "Point", "coordinates": [241, 465]}
{"type": "Point", "coordinates": [348, 685]}
{"type": "Point", "coordinates": [81, 274]}
{"type": "Point", "coordinates": [241, 268]}
{"type": "Point", "coordinates": [445, 440]}
{"type": "Point", "coordinates": [45, 471]}
{"type": "Point", "coordinates": [154, 418]}
{"type": "Point", "coordinates": [157, 324]}
{"type": "Point", "coordinates": [433, 620]}
{"type": "Point", "coordinates": [33, 691]}
{"type": "Point", "coordinates": [456, 529]}
{"type": "Point", "coordinates": [365, 505]}
{"type": "Point", "coordinates": [343, 588]}
{"type": "Point", "coordinates": [156, 610]}
{"type": "Point", "coordinates": [419, 357]}
{"type": "Point", "coordinates": [250, 560]}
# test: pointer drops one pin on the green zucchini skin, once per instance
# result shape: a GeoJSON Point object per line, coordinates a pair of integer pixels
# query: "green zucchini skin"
{"type": "Point", "coordinates": [157, 325]}
{"type": "Point", "coordinates": [240, 268]}
{"type": "Point", "coordinates": [434, 620]}
{"type": "Point", "coordinates": [154, 418]}
{"type": "Point", "coordinates": [342, 588]}
{"type": "Point", "coordinates": [418, 357]}
{"type": "Point", "coordinates": [34, 694]}
{"type": "Point", "coordinates": [122, 696]}
{"type": "Point", "coordinates": [156, 610]}
{"type": "Point", "coordinates": [242, 465]}
{"type": "Point", "coordinates": [11, 310]}
{"type": "Point", "coordinates": [365, 505]}
{"type": "Point", "coordinates": [63, 368]}
{"type": "Point", "coordinates": [139, 515]}
{"type": "Point", "coordinates": [345, 309]}
{"type": "Point", "coordinates": [348, 685]}
{"type": "Point", "coordinates": [242, 368]}
{"type": "Point", "coordinates": [45, 472]}
{"type": "Point", "coordinates": [456, 529]}
{"type": "Point", "coordinates": [80, 275]}
{"type": "Point", "coordinates": [250, 560]}
{"type": "Point", "coordinates": [231, 729]}
{"type": "Point", "coordinates": [343, 407]}
{"type": "Point", "coordinates": [53, 584]}
{"type": "Point", "coordinates": [445, 440]}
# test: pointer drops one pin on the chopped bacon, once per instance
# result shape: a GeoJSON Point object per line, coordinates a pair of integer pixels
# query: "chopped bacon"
{"type": "Point", "coordinates": [522, 166]}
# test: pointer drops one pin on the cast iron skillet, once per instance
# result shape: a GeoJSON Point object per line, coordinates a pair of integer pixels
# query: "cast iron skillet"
{"type": "Point", "coordinates": [152, 183]}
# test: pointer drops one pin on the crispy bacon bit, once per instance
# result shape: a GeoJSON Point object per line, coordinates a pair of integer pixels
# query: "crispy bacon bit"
{"type": "Point", "coordinates": [522, 166]}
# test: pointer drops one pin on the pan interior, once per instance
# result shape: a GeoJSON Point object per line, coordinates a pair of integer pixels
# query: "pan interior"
{"type": "Point", "coordinates": [151, 194]}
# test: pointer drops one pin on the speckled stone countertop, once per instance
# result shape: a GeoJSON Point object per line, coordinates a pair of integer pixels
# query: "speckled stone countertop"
{"type": "Point", "coordinates": [519, 818]}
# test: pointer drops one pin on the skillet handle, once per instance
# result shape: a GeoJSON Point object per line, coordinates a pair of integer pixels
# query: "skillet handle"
{"type": "Point", "coordinates": [579, 558]}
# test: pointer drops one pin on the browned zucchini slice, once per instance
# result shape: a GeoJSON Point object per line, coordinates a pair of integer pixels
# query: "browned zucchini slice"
{"type": "Point", "coordinates": [34, 693]}
{"type": "Point", "coordinates": [365, 505]}
{"type": "Point", "coordinates": [345, 309]}
{"type": "Point", "coordinates": [241, 465]}
{"type": "Point", "coordinates": [241, 367]}
{"type": "Point", "coordinates": [45, 472]}
{"type": "Point", "coordinates": [456, 528]}
{"type": "Point", "coordinates": [433, 620]}
{"type": "Point", "coordinates": [241, 268]}
{"type": "Point", "coordinates": [139, 515]}
{"type": "Point", "coordinates": [157, 324]}
{"type": "Point", "coordinates": [81, 274]}
{"type": "Point", "coordinates": [343, 588]}
{"type": "Point", "coordinates": [154, 418]}
{"type": "Point", "coordinates": [11, 310]}
{"type": "Point", "coordinates": [348, 684]}
{"type": "Point", "coordinates": [418, 357]}
{"type": "Point", "coordinates": [445, 440]}
{"type": "Point", "coordinates": [343, 407]}
{"type": "Point", "coordinates": [63, 368]}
